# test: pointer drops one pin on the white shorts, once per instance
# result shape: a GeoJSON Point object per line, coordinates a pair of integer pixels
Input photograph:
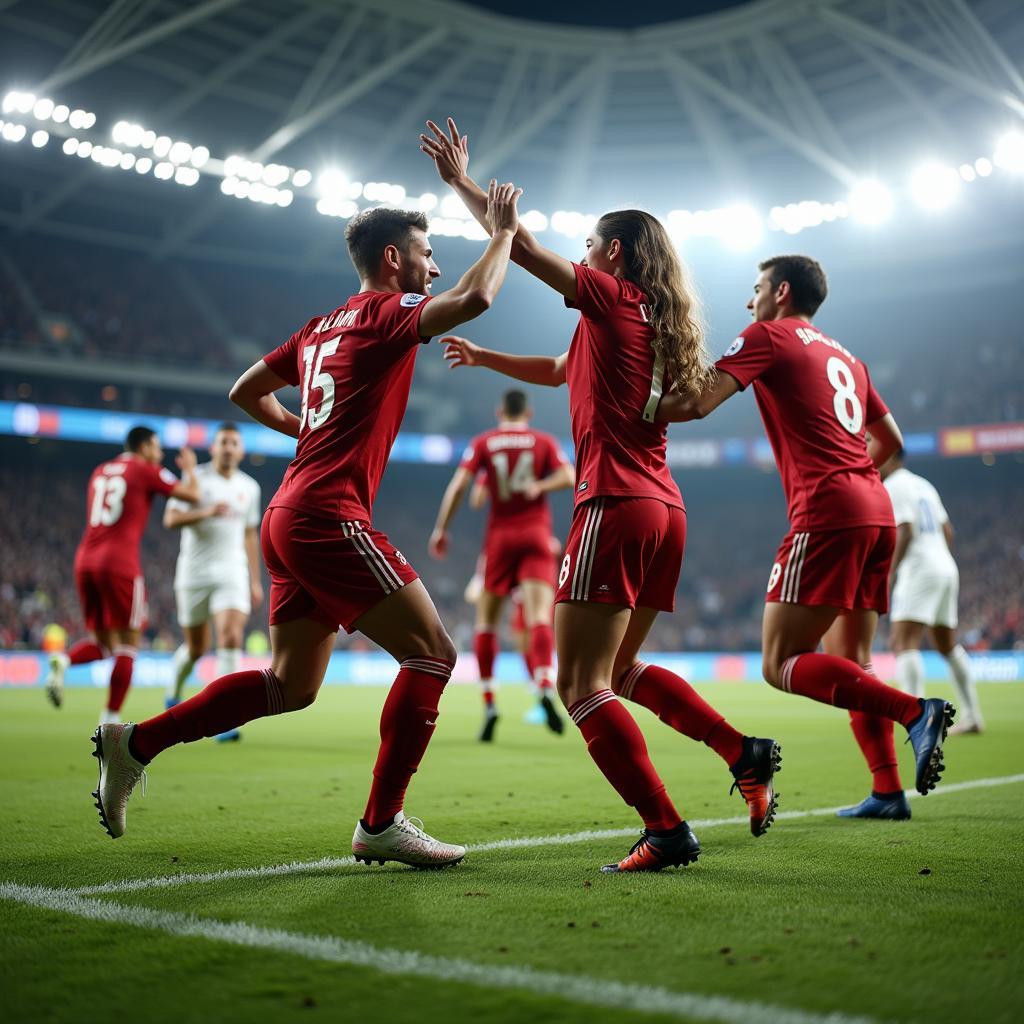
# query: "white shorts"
{"type": "Point", "coordinates": [931, 600]}
{"type": "Point", "coordinates": [197, 605]}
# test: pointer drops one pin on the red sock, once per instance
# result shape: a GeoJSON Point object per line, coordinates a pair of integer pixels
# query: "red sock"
{"type": "Point", "coordinates": [528, 659]}
{"type": "Point", "coordinates": [225, 704]}
{"type": "Point", "coordinates": [844, 684]}
{"type": "Point", "coordinates": [85, 651]}
{"type": "Point", "coordinates": [120, 677]}
{"type": "Point", "coordinates": [485, 646]}
{"type": "Point", "coordinates": [679, 705]}
{"type": "Point", "coordinates": [487, 689]}
{"type": "Point", "coordinates": [874, 735]}
{"type": "Point", "coordinates": [406, 725]}
{"type": "Point", "coordinates": [542, 654]}
{"type": "Point", "coordinates": [616, 744]}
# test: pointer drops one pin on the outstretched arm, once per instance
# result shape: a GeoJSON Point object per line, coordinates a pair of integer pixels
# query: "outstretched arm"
{"type": "Point", "coordinates": [454, 492]}
{"type": "Point", "coordinates": [546, 370]}
{"type": "Point", "coordinates": [677, 408]}
{"type": "Point", "coordinates": [479, 286]}
{"type": "Point", "coordinates": [253, 392]}
{"type": "Point", "coordinates": [450, 153]}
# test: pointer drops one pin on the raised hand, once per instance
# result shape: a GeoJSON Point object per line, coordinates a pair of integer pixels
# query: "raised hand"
{"type": "Point", "coordinates": [450, 152]}
{"type": "Point", "coordinates": [502, 213]}
{"type": "Point", "coordinates": [186, 460]}
{"type": "Point", "coordinates": [460, 351]}
{"type": "Point", "coordinates": [438, 544]}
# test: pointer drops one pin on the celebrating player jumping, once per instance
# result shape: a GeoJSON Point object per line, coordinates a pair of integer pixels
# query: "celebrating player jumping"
{"type": "Point", "coordinates": [638, 332]}
{"type": "Point", "coordinates": [327, 563]}
{"type": "Point", "coordinates": [520, 467]}
{"type": "Point", "coordinates": [108, 573]}
{"type": "Point", "coordinates": [830, 577]}
{"type": "Point", "coordinates": [217, 577]}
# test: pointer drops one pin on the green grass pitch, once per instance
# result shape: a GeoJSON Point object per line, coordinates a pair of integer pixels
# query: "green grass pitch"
{"type": "Point", "coordinates": [917, 921]}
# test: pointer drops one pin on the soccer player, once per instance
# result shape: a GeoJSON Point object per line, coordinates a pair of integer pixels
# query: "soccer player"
{"type": "Point", "coordinates": [926, 589]}
{"type": "Point", "coordinates": [830, 430]}
{"type": "Point", "coordinates": [327, 563]}
{"type": "Point", "coordinates": [108, 573]}
{"type": "Point", "coordinates": [638, 332]}
{"type": "Point", "coordinates": [217, 577]}
{"type": "Point", "coordinates": [521, 467]}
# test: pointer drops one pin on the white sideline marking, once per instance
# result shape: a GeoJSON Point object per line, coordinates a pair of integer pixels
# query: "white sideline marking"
{"type": "Point", "coordinates": [330, 949]}
{"type": "Point", "coordinates": [333, 863]}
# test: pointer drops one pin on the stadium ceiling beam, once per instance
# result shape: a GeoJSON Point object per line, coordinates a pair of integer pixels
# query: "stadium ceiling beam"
{"type": "Point", "coordinates": [504, 98]}
{"type": "Point", "coordinates": [87, 65]}
{"type": "Point", "coordinates": [578, 152]}
{"type": "Point", "coordinates": [721, 151]}
{"type": "Point", "coordinates": [486, 163]}
{"type": "Point", "coordinates": [733, 101]}
{"type": "Point", "coordinates": [99, 31]}
{"type": "Point", "coordinates": [995, 52]}
{"type": "Point", "coordinates": [298, 126]}
{"type": "Point", "coordinates": [853, 27]}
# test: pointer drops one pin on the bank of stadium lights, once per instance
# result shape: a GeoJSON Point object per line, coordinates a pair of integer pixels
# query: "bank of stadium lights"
{"type": "Point", "coordinates": [174, 151]}
{"type": "Point", "coordinates": [44, 109]}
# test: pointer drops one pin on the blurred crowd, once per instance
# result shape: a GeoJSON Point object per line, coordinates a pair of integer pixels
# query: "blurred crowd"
{"type": "Point", "coordinates": [730, 549]}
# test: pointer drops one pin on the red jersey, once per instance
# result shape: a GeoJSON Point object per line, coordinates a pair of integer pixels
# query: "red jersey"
{"type": "Point", "coordinates": [510, 457]}
{"type": "Point", "coordinates": [355, 368]}
{"type": "Point", "coordinates": [119, 498]}
{"type": "Point", "coordinates": [615, 384]}
{"type": "Point", "coordinates": [816, 399]}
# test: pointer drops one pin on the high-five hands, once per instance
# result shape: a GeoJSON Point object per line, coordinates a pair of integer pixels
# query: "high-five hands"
{"type": "Point", "coordinates": [450, 152]}
{"type": "Point", "coordinates": [460, 351]}
{"type": "Point", "coordinates": [502, 214]}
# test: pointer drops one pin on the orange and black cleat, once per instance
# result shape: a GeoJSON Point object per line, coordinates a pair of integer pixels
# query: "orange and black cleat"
{"type": "Point", "coordinates": [754, 773]}
{"type": "Point", "coordinates": [654, 852]}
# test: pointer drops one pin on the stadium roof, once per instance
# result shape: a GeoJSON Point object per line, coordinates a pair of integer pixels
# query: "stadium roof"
{"type": "Point", "coordinates": [772, 101]}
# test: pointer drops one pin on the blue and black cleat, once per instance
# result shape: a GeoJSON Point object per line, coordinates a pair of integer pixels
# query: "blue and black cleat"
{"type": "Point", "coordinates": [171, 702]}
{"type": "Point", "coordinates": [896, 808]}
{"type": "Point", "coordinates": [231, 736]}
{"type": "Point", "coordinates": [926, 736]}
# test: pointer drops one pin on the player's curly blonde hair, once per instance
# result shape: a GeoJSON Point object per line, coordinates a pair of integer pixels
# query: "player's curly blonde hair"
{"type": "Point", "coordinates": [653, 265]}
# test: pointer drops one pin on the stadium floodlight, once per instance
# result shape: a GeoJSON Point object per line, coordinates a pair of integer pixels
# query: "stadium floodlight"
{"type": "Point", "coordinates": [739, 226]}
{"type": "Point", "coordinates": [10, 102]}
{"type": "Point", "coordinates": [78, 119]}
{"type": "Point", "coordinates": [285, 197]}
{"type": "Point", "coordinates": [162, 146]}
{"type": "Point", "coordinates": [84, 148]}
{"type": "Point", "coordinates": [90, 119]}
{"type": "Point", "coordinates": [275, 174]}
{"type": "Point", "coordinates": [426, 202]}
{"type": "Point", "coordinates": [870, 202]}
{"type": "Point", "coordinates": [229, 185]}
{"type": "Point", "coordinates": [534, 220]}
{"type": "Point", "coordinates": [179, 153]}
{"type": "Point", "coordinates": [453, 206]}
{"type": "Point", "coordinates": [163, 170]}
{"type": "Point", "coordinates": [934, 186]}
{"type": "Point", "coordinates": [200, 156]}
{"type": "Point", "coordinates": [24, 102]}
{"type": "Point", "coordinates": [1009, 153]}
{"type": "Point", "coordinates": [148, 139]}
{"type": "Point", "coordinates": [332, 182]}
{"type": "Point", "coordinates": [983, 166]}
{"type": "Point", "coordinates": [967, 172]}
{"type": "Point", "coordinates": [301, 178]}
{"type": "Point", "coordinates": [143, 165]}
{"type": "Point", "coordinates": [70, 146]}
{"type": "Point", "coordinates": [60, 114]}
{"type": "Point", "coordinates": [40, 138]}
{"type": "Point", "coordinates": [13, 132]}
{"type": "Point", "coordinates": [186, 176]}
{"type": "Point", "coordinates": [127, 161]}
{"type": "Point", "coordinates": [42, 109]}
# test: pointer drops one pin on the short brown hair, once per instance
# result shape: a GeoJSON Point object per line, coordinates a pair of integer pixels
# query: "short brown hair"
{"type": "Point", "coordinates": [808, 284]}
{"type": "Point", "coordinates": [369, 233]}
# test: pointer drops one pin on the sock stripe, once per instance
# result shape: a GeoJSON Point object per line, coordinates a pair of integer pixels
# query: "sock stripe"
{"type": "Point", "coordinates": [125, 651]}
{"type": "Point", "coordinates": [589, 704]}
{"type": "Point", "coordinates": [629, 680]}
{"type": "Point", "coordinates": [581, 577]}
{"type": "Point", "coordinates": [432, 666]}
{"type": "Point", "coordinates": [786, 676]}
{"type": "Point", "coordinates": [275, 695]}
{"type": "Point", "coordinates": [794, 566]}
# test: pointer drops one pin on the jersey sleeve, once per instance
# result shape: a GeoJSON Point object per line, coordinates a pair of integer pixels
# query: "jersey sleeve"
{"type": "Point", "coordinates": [472, 457]}
{"type": "Point", "coordinates": [750, 355]}
{"type": "Point", "coordinates": [903, 507]}
{"type": "Point", "coordinates": [398, 318]}
{"type": "Point", "coordinates": [162, 481]}
{"type": "Point", "coordinates": [876, 408]}
{"type": "Point", "coordinates": [596, 291]}
{"type": "Point", "coordinates": [939, 507]}
{"type": "Point", "coordinates": [284, 359]}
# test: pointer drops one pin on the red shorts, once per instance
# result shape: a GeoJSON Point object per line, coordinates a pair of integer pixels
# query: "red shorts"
{"type": "Point", "coordinates": [625, 551]}
{"type": "Point", "coordinates": [835, 568]}
{"type": "Point", "coordinates": [512, 556]}
{"type": "Point", "coordinates": [111, 602]}
{"type": "Point", "coordinates": [330, 572]}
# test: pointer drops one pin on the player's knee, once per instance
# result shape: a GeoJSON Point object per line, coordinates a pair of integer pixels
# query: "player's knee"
{"type": "Point", "coordinates": [434, 643]}
{"type": "Point", "coordinates": [296, 699]}
{"type": "Point", "coordinates": [619, 670]}
{"type": "Point", "coordinates": [196, 649]}
{"type": "Point", "coordinates": [771, 670]}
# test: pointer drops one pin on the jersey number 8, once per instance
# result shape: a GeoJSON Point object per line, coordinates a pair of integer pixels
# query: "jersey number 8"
{"type": "Point", "coordinates": [847, 405]}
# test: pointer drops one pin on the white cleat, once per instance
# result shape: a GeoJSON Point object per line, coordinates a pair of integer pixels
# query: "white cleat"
{"type": "Point", "coordinates": [59, 662]}
{"type": "Point", "coordinates": [404, 841]}
{"type": "Point", "coordinates": [119, 775]}
{"type": "Point", "coordinates": [965, 728]}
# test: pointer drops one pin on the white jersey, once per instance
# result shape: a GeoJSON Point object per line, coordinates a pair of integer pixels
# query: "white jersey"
{"type": "Point", "coordinates": [213, 550]}
{"type": "Point", "coordinates": [916, 502]}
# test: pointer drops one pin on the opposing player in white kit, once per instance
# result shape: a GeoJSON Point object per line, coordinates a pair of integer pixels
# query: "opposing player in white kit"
{"type": "Point", "coordinates": [926, 589]}
{"type": "Point", "coordinates": [217, 578]}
